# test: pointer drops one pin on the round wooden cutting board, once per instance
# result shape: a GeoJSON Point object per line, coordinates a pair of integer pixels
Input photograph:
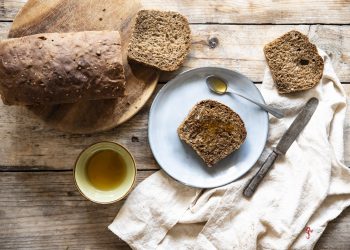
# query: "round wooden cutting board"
{"type": "Point", "coordinates": [82, 15]}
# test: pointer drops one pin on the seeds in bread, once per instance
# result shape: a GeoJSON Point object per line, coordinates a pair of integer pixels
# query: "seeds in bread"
{"type": "Point", "coordinates": [294, 62]}
{"type": "Point", "coordinates": [213, 130]}
{"type": "Point", "coordinates": [54, 68]}
{"type": "Point", "coordinates": [160, 39]}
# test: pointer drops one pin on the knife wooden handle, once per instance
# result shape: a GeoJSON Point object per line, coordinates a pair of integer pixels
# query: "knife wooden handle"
{"type": "Point", "coordinates": [255, 181]}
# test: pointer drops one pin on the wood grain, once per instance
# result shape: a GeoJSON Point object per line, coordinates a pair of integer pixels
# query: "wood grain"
{"type": "Point", "coordinates": [57, 16]}
{"type": "Point", "coordinates": [28, 144]}
{"type": "Point", "coordinates": [228, 11]}
{"type": "Point", "coordinates": [336, 235]}
{"type": "Point", "coordinates": [43, 210]}
{"type": "Point", "coordinates": [4, 29]}
{"type": "Point", "coordinates": [240, 47]}
{"type": "Point", "coordinates": [9, 9]}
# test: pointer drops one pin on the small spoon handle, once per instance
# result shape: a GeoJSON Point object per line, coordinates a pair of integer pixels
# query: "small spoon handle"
{"type": "Point", "coordinates": [273, 111]}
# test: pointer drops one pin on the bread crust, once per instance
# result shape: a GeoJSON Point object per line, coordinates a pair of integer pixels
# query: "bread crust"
{"type": "Point", "coordinates": [213, 130]}
{"type": "Point", "coordinates": [294, 62]}
{"type": "Point", "coordinates": [54, 68]}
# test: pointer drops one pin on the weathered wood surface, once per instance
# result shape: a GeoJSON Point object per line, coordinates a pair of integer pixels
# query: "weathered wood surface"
{"type": "Point", "coordinates": [240, 47]}
{"type": "Point", "coordinates": [4, 29]}
{"type": "Point", "coordinates": [336, 235]}
{"type": "Point", "coordinates": [43, 210]}
{"type": "Point", "coordinates": [29, 144]}
{"type": "Point", "coordinates": [242, 11]}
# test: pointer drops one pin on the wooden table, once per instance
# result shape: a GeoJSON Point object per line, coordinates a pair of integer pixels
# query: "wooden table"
{"type": "Point", "coordinates": [39, 205]}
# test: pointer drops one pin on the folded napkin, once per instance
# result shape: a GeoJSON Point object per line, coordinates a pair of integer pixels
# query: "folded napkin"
{"type": "Point", "coordinates": [304, 191]}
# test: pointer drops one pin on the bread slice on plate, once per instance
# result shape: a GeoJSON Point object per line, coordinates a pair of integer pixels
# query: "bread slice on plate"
{"type": "Point", "coordinates": [294, 62]}
{"type": "Point", "coordinates": [213, 130]}
{"type": "Point", "coordinates": [160, 39]}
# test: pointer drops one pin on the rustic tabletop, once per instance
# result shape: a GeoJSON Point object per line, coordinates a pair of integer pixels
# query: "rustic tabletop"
{"type": "Point", "coordinates": [39, 205]}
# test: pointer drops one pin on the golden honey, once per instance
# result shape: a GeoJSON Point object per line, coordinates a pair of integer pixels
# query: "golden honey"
{"type": "Point", "coordinates": [218, 85]}
{"type": "Point", "coordinates": [106, 170]}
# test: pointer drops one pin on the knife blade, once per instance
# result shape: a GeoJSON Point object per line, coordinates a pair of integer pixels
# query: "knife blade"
{"type": "Point", "coordinates": [297, 126]}
{"type": "Point", "coordinates": [283, 145]}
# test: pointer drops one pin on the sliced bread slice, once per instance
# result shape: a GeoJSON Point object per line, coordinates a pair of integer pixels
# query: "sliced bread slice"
{"type": "Point", "coordinates": [213, 130]}
{"type": "Point", "coordinates": [160, 39]}
{"type": "Point", "coordinates": [294, 62]}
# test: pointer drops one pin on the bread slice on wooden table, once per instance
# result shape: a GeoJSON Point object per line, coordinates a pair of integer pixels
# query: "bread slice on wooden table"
{"type": "Point", "coordinates": [294, 62]}
{"type": "Point", "coordinates": [160, 39]}
{"type": "Point", "coordinates": [55, 68]}
{"type": "Point", "coordinates": [213, 130]}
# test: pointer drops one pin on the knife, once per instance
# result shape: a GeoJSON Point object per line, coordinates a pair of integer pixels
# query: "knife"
{"type": "Point", "coordinates": [283, 145]}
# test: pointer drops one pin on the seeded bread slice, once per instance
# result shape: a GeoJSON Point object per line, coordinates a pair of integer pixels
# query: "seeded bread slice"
{"type": "Point", "coordinates": [294, 62]}
{"type": "Point", "coordinates": [160, 39]}
{"type": "Point", "coordinates": [213, 130]}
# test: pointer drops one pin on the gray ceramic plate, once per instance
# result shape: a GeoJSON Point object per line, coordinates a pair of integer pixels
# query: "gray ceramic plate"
{"type": "Point", "coordinates": [170, 108]}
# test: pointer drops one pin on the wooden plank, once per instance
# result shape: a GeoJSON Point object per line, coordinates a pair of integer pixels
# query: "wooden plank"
{"type": "Point", "coordinates": [240, 47]}
{"type": "Point", "coordinates": [27, 143]}
{"type": "Point", "coordinates": [9, 9]}
{"type": "Point", "coordinates": [4, 29]}
{"type": "Point", "coordinates": [258, 11]}
{"type": "Point", "coordinates": [228, 11]}
{"type": "Point", "coordinates": [336, 235]}
{"type": "Point", "coordinates": [43, 210]}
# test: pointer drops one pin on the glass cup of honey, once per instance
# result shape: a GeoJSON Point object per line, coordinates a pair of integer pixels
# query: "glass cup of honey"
{"type": "Point", "coordinates": [105, 172]}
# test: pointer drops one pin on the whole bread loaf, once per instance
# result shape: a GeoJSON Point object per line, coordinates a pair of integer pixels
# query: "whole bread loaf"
{"type": "Point", "coordinates": [55, 68]}
{"type": "Point", "coordinates": [213, 130]}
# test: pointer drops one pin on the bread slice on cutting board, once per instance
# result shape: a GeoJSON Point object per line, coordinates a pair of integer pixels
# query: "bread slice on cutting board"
{"type": "Point", "coordinates": [160, 39]}
{"type": "Point", "coordinates": [294, 62]}
{"type": "Point", "coordinates": [213, 130]}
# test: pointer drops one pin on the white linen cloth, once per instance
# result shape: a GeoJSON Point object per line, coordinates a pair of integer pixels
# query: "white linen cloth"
{"type": "Point", "coordinates": [291, 208]}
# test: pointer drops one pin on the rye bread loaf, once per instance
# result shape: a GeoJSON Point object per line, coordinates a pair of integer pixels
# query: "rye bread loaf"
{"type": "Point", "coordinates": [294, 62]}
{"type": "Point", "coordinates": [55, 68]}
{"type": "Point", "coordinates": [160, 39]}
{"type": "Point", "coordinates": [213, 130]}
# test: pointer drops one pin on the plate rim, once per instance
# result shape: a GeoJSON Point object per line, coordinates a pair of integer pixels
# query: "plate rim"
{"type": "Point", "coordinates": [165, 87]}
